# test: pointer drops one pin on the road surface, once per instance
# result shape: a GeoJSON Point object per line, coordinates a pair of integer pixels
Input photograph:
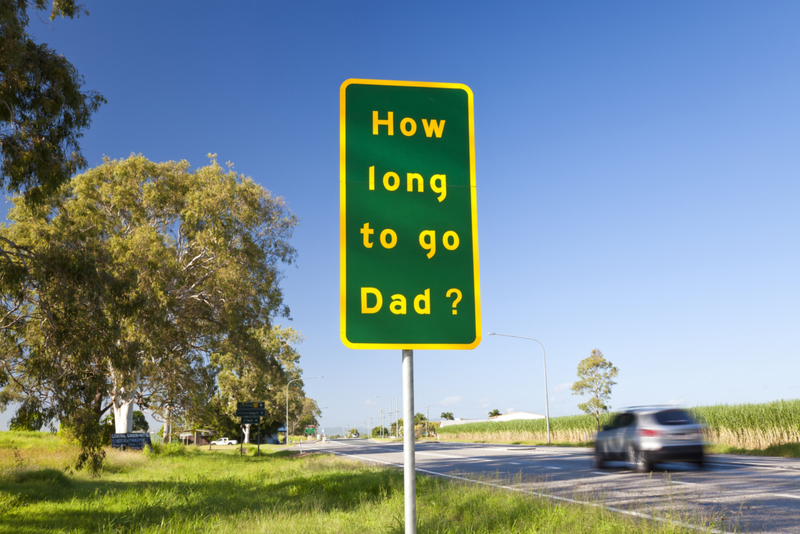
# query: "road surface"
{"type": "Point", "coordinates": [743, 493]}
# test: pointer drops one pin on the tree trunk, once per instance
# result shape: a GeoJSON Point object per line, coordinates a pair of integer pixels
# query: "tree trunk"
{"type": "Point", "coordinates": [122, 398]}
{"type": "Point", "coordinates": [123, 412]}
{"type": "Point", "coordinates": [167, 427]}
{"type": "Point", "coordinates": [247, 433]}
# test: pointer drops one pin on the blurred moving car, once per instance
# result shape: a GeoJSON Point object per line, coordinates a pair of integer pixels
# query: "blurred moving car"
{"type": "Point", "coordinates": [643, 436]}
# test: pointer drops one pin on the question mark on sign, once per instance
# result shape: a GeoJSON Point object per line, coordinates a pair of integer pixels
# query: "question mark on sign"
{"type": "Point", "coordinates": [456, 301]}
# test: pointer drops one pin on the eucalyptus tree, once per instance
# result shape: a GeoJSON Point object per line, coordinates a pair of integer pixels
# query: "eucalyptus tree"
{"type": "Point", "coordinates": [260, 372]}
{"type": "Point", "coordinates": [43, 109]}
{"type": "Point", "coordinates": [596, 377]}
{"type": "Point", "coordinates": [43, 114]}
{"type": "Point", "coordinates": [180, 264]}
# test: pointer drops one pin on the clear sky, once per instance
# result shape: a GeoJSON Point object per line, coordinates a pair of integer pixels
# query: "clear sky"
{"type": "Point", "coordinates": [637, 177]}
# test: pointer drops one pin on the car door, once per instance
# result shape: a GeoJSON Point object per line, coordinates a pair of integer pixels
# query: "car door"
{"type": "Point", "coordinates": [621, 437]}
{"type": "Point", "coordinates": [608, 437]}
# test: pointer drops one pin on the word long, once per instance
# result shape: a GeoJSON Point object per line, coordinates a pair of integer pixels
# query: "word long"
{"type": "Point", "coordinates": [391, 182]}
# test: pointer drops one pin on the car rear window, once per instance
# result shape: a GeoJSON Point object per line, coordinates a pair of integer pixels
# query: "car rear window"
{"type": "Point", "coordinates": [674, 417]}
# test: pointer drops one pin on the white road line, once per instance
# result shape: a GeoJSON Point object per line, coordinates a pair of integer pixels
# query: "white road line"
{"type": "Point", "coordinates": [789, 495]}
{"type": "Point", "coordinates": [440, 455]}
{"type": "Point", "coordinates": [550, 467]}
{"type": "Point", "coordinates": [513, 463]}
{"type": "Point", "coordinates": [545, 495]}
{"type": "Point", "coordinates": [600, 473]}
{"type": "Point", "coordinates": [684, 483]}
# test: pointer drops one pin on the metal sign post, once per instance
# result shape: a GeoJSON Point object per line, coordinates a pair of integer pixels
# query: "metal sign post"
{"type": "Point", "coordinates": [251, 414]}
{"type": "Point", "coordinates": [409, 461]}
{"type": "Point", "coordinates": [408, 228]}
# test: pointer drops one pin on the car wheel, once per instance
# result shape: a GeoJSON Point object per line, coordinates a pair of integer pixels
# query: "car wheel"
{"type": "Point", "coordinates": [700, 462]}
{"type": "Point", "coordinates": [599, 460]}
{"type": "Point", "coordinates": [638, 461]}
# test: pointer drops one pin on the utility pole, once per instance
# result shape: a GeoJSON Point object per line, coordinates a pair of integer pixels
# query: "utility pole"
{"type": "Point", "coordinates": [427, 417]}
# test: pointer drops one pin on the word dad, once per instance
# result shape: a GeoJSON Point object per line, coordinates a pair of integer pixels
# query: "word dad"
{"type": "Point", "coordinates": [398, 306]}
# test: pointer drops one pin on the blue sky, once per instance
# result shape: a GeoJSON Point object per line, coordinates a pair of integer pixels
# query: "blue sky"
{"type": "Point", "coordinates": [637, 177]}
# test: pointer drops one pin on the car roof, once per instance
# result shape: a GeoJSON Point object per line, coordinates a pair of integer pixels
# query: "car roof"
{"type": "Point", "coordinates": [650, 408]}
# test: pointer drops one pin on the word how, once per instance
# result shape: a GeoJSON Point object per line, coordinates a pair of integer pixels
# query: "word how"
{"type": "Point", "coordinates": [391, 182]}
{"type": "Point", "coordinates": [408, 126]}
{"type": "Point", "coordinates": [372, 301]}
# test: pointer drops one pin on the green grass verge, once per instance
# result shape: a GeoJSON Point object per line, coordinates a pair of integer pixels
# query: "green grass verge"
{"type": "Point", "coordinates": [194, 490]}
{"type": "Point", "coordinates": [533, 442]}
{"type": "Point", "coordinates": [787, 450]}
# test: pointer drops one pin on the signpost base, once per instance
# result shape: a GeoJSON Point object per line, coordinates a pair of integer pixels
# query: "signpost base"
{"type": "Point", "coordinates": [409, 463]}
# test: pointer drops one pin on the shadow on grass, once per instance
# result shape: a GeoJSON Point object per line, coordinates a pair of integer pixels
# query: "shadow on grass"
{"type": "Point", "coordinates": [91, 504]}
{"type": "Point", "coordinates": [214, 488]}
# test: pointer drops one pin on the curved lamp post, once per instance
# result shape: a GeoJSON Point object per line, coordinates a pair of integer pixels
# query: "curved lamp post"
{"type": "Point", "coordinates": [287, 402]}
{"type": "Point", "coordinates": [544, 360]}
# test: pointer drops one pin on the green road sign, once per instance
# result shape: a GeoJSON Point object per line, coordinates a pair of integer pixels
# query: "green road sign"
{"type": "Point", "coordinates": [247, 420]}
{"type": "Point", "coordinates": [251, 413]}
{"type": "Point", "coordinates": [408, 226]}
{"type": "Point", "coordinates": [250, 409]}
{"type": "Point", "coordinates": [310, 430]}
{"type": "Point", "coordinates": [249, 405]}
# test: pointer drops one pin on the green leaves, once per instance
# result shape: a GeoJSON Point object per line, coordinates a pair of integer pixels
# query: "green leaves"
{"type": "Point", "coordinates": [43, 111]}
{"type": "Point", "coordinates": [596, 376]}
{"type": "Point", "coordinates": [135, 274]}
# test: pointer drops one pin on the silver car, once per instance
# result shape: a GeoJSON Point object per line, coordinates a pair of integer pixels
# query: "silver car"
{"type": "Point", "coordinates": [643, 436]}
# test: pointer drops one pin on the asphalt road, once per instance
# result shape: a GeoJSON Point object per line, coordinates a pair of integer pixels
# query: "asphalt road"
{"type": "Point", "coordinates": [740, 493]}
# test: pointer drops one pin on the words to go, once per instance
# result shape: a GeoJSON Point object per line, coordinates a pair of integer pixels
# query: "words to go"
{"type": "Point", "coordinates": [427, 239]}
{"type": "Point", "coordinates": [398, 306]}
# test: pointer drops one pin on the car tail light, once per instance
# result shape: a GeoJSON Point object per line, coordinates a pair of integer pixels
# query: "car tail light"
{"type": "Point", "coordinates": [645, 433]}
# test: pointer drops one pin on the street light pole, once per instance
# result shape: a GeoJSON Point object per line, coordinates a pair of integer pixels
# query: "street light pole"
{"type": "Point", "coordinates": [287, 402]}
{"type": "Point", "coordinates": [546, 395]}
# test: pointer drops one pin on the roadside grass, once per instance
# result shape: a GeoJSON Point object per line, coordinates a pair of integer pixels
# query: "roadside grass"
{"type": "Point", "coordinates": [786, 450]}
{"type": "Point", "coordinates": [532, 442]}
{"type": "Point", "coordinates": [568, 429]}
{"type": "Point", "coordinates": [196, 490]}
{"type": "Point", "coordinates": [767, 429]}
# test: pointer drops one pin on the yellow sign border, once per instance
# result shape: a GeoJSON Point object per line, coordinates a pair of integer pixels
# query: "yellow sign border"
{"type": "Point", "coordinates": [342, 217]}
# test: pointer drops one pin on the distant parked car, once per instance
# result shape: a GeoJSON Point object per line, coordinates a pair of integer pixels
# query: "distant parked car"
{"type": "Point", "coordinates": [644, 436]}
{"type": "Point", "coordinates": [225, 441]}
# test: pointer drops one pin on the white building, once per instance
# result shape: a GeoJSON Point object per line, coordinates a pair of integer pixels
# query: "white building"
{"type": "Point", "coordinates": [513, 416]}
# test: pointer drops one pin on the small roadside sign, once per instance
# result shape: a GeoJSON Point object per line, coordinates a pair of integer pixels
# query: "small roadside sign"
{"type": "Point", "coordinates": [247, 405]}
{"type": "Point", "coordinates": [251, 409]}
{"type": "Point", "coordinates": [251, 413]}
{"type": "Point", "coordinates": [251, 420]}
